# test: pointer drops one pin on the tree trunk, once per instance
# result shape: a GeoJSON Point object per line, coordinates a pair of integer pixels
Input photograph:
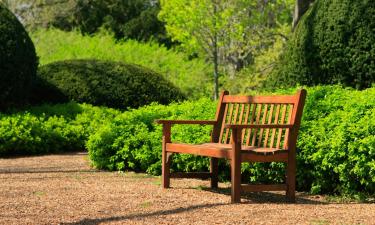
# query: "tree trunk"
{"type": "Point", "coordinates": [215, 55]}
{"type": "Point", "coordinates": [301, 6]}
{"type": "Point", "coordinates": [216, 72]}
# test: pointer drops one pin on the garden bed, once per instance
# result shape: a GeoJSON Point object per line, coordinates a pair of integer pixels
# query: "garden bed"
{"type": "Point", "coordinates": [63, 189]}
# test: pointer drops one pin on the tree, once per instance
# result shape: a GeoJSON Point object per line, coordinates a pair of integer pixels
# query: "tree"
{"type": "Point", "coordinates": [227, 32]}
{"type": "Point", "coordinates": [301, 6]}
{"type": "Point", "coordinates": [334, 43]}
{"type": "Point", "coordinates": [135, 19]}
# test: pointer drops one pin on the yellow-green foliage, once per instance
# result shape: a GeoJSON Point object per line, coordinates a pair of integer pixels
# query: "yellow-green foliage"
{"type": "Point", "coordinates": [191, 76]}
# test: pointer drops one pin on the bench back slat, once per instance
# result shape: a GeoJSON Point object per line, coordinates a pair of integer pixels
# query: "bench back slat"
{"type": "Point", "coordinates": [260, 110]}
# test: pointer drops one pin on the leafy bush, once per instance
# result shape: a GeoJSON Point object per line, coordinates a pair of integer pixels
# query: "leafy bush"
{"type": "Point", "coordinates": [191, 76]}
{"type": "Point", "coordinates": [133, 141]}
{"type": "Point", "coordinates": [106, 83]}
{"type": "Point", "coordinates": [336, 142]}
{"type": "Point", "coordinates": [136, 19]}
{"type": "Point", "coordinates": [333, 43]}
{"type": "Point", "coordinates": [48, 129]}
{"type": "Point", "coordinates": [18, 61]}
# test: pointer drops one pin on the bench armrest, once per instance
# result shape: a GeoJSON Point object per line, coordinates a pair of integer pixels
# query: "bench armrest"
{"type": "Point", "coordinates": [261, 126]}
{"type": "Point", "coordinates": [201, 122]}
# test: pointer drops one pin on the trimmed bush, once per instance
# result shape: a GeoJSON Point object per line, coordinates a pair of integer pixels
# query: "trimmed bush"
{"type": "Point", "coordinates": [49, 129]}
{"type": "Point", "coordinates": [18, 61]}
{"type": "Point", "coordinates": [191, 76]}
{"type": "Point", "coordinates": [336, 142]}
{"type": "Point", "coordinates": [333, 43]}
{"type": "Point", "coordinates": [106, 83]}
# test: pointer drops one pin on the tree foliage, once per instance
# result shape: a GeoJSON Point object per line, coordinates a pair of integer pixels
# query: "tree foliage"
{"type": "Point", "coordinates": [229, 33]}
{"type": "Point", "coordinates": [334, 42]}
{"type": "Point", "coordinates": [135, 19]}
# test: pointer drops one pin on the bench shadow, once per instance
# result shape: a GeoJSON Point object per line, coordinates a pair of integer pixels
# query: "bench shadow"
{"type": "Point", "coordinates": [96, 221]}
{"type": "Point", "coordinates": [267, 197]}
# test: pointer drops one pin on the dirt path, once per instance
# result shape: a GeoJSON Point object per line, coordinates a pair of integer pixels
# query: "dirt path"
{"type": "Point", "coordinates": [63, 189]}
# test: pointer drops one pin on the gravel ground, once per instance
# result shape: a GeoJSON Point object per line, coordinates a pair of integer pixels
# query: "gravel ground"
{"type": "Point", "coordinates": [63, 189]}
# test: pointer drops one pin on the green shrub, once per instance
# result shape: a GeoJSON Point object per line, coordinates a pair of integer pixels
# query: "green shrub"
{"type": "Point", "coordinates": [333, 43]}
{"type": "Point", "coordinates": [191, 76]}
{"type": "Point", "coordinates": [18, 61]}
{"type": "Point", "coordinates": [336, 142]}
{"type": "Point", "coordinates": [48, 129]}
{"type": "Point", "coordinates": [111, 84]}
{"type": "Point", "coordinates": [133, 141]}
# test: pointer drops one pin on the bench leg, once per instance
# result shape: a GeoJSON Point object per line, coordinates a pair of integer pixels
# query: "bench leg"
{"type": "Point", "coordinates": [166, 164]}
{"type": "Point", "coordinates": [236, 181]}
{"type": "Point", "coordinates": [214, 169]}
{"type": "Point", "coordinates": [291, 180]}
{"type": "Point", "coordinates": [236, 166]}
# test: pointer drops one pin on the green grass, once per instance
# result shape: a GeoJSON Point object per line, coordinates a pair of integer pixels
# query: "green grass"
{"type": "Point", "coordinates": [191, 76]}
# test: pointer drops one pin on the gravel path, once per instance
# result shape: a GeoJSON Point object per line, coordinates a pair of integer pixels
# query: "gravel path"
{"type": "Point", "coordinates": [63, 189]}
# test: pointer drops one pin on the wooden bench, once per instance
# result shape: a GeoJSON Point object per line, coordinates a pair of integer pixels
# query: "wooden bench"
{"type": "Point", "coordinates": [245, 129]}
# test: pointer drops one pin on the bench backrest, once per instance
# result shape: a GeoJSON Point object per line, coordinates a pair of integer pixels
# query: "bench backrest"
{"type": "Point", "coordinates": [285, 109]}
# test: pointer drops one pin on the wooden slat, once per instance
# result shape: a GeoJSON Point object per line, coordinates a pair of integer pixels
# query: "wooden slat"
{"type": "Point", "coordinates": [287, 130]}
{"type": "Point", "coordinates": [235, 119]}
{"type": "Point", "coordinates": [199, 150]}
{"type": "Point", "coordinates": [229, 121]}
{"type": "Point", "coordinates": [281, 130]}
{"type": "Point", "coordinates": [251, 122]}
{"type": "Point", "coordinates": [203, 122]}
{"type": "Point", "coordinates": [251, 157]}
{"type": "Point", "coordinates": [264, 118]}
{"type": "Point", "coordinates": [256, 122]}
{"type": "Point", "coordinates": [281, 99]}
{"type": "Point", "coordinates": [258, 126]}
{"type": "Point", "coordinates": [201, 175]}
{"type": "Point", "coordinates": [220, 110]}
{"type": "Point", "coordinates": [263, 187]}
{"type": "Point", "coordinates": [224, 120]}
{"type": "Point", "coordinates": [275, 121]}
{"type": "Point", "coordinates": [245, 121]}
{"type": "Point", "coordinates": [240, 120]}
{"type": "Point", "coordinates": [269, 122]}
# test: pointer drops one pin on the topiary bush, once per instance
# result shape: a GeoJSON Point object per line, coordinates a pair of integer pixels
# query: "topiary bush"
{"type": "Point", "coordinates": [336, 145]}
{"type": "Point", "coordinates": [192, 76]}
{"type": "Point", "coordinates": [333, 43]}
{"type": "Point", "coordinates": [18, 60]}
{"type": "Point", "coordinates": [106, 83]}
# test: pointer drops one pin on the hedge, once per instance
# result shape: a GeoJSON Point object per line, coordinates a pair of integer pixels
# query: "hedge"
{"type": "Point", "coordinates": [103, 83]}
